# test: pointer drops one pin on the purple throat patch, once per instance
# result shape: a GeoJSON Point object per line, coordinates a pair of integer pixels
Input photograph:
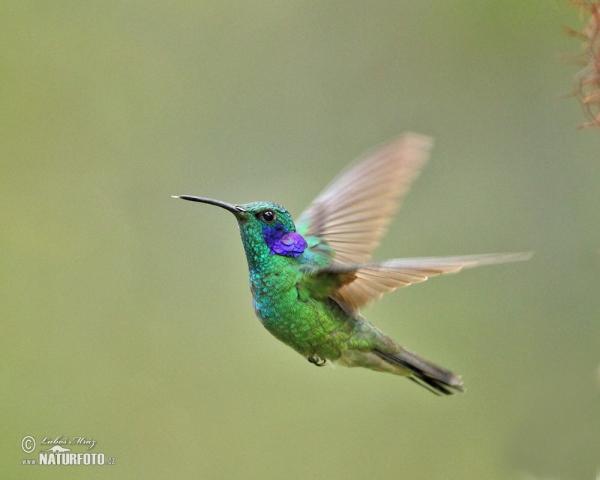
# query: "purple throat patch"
{"type": "Point", "coordinates": [280, 242]}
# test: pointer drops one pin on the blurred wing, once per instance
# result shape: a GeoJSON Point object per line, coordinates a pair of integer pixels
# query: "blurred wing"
{"type": "Point", "coordinates": [363, 284]}
{"type": "Point", "coordinates": [353, 212]}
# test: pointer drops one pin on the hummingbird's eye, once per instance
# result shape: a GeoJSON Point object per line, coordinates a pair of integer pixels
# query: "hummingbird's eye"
{"type": "Point", "coordinates": [268, 216]}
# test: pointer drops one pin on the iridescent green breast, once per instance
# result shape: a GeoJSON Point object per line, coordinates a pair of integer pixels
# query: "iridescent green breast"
{"type": "Point", "coordinates": [311, 327]}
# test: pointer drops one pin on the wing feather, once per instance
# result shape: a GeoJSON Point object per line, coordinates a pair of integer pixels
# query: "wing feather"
{"type": "Point", "coordinates": [372, 280]}
{"type": "Point", "coordinates": [353, 212]}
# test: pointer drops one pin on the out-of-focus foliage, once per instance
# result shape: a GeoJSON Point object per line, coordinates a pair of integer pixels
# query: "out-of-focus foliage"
{"type": "Point", "coordinates": [587, 79]}
{"type": "Point", "coordinates": [126, 316]}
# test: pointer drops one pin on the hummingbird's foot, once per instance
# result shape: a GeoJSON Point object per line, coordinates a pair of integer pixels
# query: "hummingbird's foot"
{"type": "Point", "coordinates": [319, 362]}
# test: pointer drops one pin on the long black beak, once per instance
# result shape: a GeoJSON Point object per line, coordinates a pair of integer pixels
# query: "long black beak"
{"type": "Point", "coordinates": [235, 209]}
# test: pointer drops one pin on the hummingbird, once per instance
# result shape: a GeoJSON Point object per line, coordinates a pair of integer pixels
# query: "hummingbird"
{"type": "Point", "coordinates": [310, 278]}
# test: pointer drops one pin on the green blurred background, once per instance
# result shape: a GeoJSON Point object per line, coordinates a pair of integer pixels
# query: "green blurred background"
{"type": "Point", "coordinates": [126, 315]}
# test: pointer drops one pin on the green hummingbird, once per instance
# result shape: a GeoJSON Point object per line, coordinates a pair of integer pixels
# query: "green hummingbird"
{"type": "Point", "coordinates": [310, 279]}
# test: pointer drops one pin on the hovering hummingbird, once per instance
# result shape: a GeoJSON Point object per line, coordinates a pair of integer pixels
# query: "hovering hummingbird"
{"type": "Point", "coordinates": [310, 279]}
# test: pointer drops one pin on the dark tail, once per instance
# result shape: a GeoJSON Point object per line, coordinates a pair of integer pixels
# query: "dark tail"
{"type": "Point", "coordinates": [435, 379]}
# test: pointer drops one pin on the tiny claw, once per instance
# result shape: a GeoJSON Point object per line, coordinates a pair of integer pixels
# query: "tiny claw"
{"type": "Point", "coordinates": [319, 362]}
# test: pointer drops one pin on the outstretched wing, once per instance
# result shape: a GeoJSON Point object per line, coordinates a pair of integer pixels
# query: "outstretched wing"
{"type": "Point", "coordinates": [358, 285]}
{"type": "Point", "coordinates": [353, 212]}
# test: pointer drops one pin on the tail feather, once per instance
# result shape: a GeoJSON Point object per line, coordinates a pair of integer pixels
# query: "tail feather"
{"type": "Point", "coordinates": [436, 379]}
